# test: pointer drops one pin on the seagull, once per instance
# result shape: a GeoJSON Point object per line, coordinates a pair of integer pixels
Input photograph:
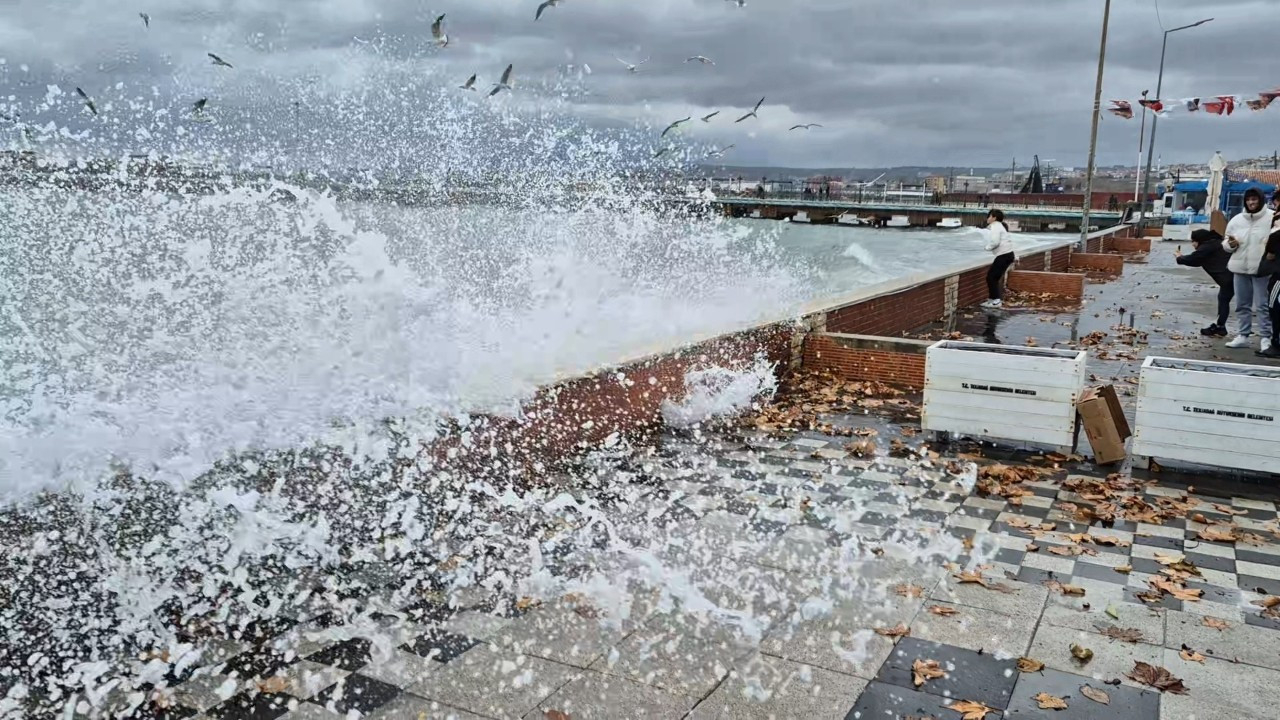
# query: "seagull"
{"type": "Point", "coordinates": [631, 68]}
{"type": "Point", "coordinates": [720, 152]}
{"type": "Point", "coordinates": [661, 152]}
{"type": "Point", "coordinates": [88, 102]}
{"type": "Point", "coordinates": [198, 108]}
{"type": "Point", "coordinates": [707, 118]}
{"type": "Point", "coordinates": [543, 7]}
{"type": "Point", "coordinates": [702, 59]}
{"type": "Point", "coordinates": [805, 126]}
{"type": "Point", "coordinates": [219, 61]}
{"type": "Point", "coordinates": [675, 125]}
{"type": "Point", "coordinates": [146, 19]}
{"type": "Point", "coordinates": [437, 32]}
{"type": "Point", "coordinates": [503, 84]}
{"type": "Point", "coordinates": [739, 3]}
{"type": "Point", "coordinates": [751, 114]}
{"type": "Point", "coordinates": [470, 84]}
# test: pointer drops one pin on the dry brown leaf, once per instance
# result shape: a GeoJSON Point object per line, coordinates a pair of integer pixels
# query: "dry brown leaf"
{"type": "Point", "coordinates": [1215, 623]}
{"type": "Point", "coordinates": [866, 432]}
{"type": "Point", "coordinates": [1029, 665]}
{"type": "Point", "coordinates": [1018, 522]}
{"type": "Point", "coordinates": [1268, 602]}
{"type": "Point", "coordinates": [1156, 677]}
{"type": "Point", "coordinates": [1164, 559]}
{"type": "Point", "coordinates": [1096, 695]}
{"type": "Point", "coordinates": [1109, 540]}
{"type": "Point", "coordinates": [1220, 533]}
{"type": "Point", "coordinates": [1125, 569]}
{"type": "Point", "coordinates": [895, 632]}
{"type": "Point", "coordinates": [1228, 510]}
{"type": "Point", "coordinates": [969, 576]}
{"type": "Point", "coordinates": [1000, 587]}
{"type": "Point", "coordinates": [272, 685]}
{"type": "Point", "coordinates": [1083, 654]}
{"type": "Point", "coordinates": [970, 710]}
{"type": "Point", "coordinates": [923, 670]}
{"type": "Point", "coordinates": [1032, 547]}
{"type": "Point", "coordinates": [556, 715]}
{"type": "Point", "coordinates": [943, 610]}
{"type": "Point", "coordinates": [968, 543]}
{"type": "Point", "coordinates": [1191, 655]}
{"type": "Point", "coordinates": [525, 603]}
{"type": "Point", "coordinates": [1050, 702]}
{"type": "Point", "coordinates": [911, 591]}
{"type": "Point", "coordinates": [1130, 635]}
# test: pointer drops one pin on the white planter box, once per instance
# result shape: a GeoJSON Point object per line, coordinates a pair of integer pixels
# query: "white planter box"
{"type": "Point", "coordinates": [1209, 413]}
{"type": "Point", "coordinates": [1003, 392]}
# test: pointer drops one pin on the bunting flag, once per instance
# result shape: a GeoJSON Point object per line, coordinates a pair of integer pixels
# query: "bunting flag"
{"type": "Point", "coordinates": [1216, 105]}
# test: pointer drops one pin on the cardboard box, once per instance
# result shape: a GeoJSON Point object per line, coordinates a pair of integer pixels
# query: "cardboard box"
{"type": "Point", "coordinates": [1104, 424]}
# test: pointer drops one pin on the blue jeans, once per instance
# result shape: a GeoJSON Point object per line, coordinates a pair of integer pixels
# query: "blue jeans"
{"type": "Point", "coordinates": [1248, 290]}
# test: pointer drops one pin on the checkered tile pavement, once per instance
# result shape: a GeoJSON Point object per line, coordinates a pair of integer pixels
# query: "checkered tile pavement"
{"type": "Point", "coordinates": [445, 660]}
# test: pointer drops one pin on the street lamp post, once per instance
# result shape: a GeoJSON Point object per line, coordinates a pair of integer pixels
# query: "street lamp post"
{"type": "Point", "coordinates": [1155, 117]}
{"type": "Point", "coordinates": [1093, 138]}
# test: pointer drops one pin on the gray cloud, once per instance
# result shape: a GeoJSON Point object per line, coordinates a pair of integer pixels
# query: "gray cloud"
{"type": "Point", "coordinates": [893, 82]}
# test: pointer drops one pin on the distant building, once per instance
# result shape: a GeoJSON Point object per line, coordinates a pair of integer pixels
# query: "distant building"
{"type": "Point", "coordinates": [971, 184]}
{"type": "Point", "coordinates": [936, 183]}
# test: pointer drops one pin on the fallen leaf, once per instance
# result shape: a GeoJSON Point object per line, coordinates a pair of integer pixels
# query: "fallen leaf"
{"type": "Point", "coordinates": [555, 715]}
{"type": "Point", "coordinates": [1083, 654]}
{"type": "Point", "coordinates": [1109, 540]}
{"type": "Point", "coordinates": [1156, 677]}
{"type": "Point", "coordinates": [272, 685]}
{"type": "Point", "coordinates": [1032, 547]}
{"type": "Point", "coordinates": [1050, 702]}
{"type": "Point", "coordinates": [1096, 695]}
{"type": "Point", "coordinates": [969, 576]}
{"type": "Point", "coordinates": [1191, 655]}
{"type": "Point", "coordinates": [968, 543]}
{"type": "Point", "coordinates": [943, 610]}
{"type": "Point", "coordinates": [1228, 510]}
{"type": "Point", "coordinates": [1220, 533]}
{"type": "Point", "coordinates": [1113, 612]}
{"type": "Point", "coordinates": [970, 710]}
{"type": "Point", "coordinates": [1214, 623]}
{"type": "Point", "coordinates": [1164, 559]}
{"type": "Point", "coordinates": [922, 670]}
{"type": "Point", "coordinates": [911, 591]}
{"type": "Point", "coordinates": [866, 432]}
{"type": "Point", "coordinates": [1123, 569]}
{"type": "Point", "coordinates": [895, 632]}
{"type": "Point", "coordinates": [1028, 665]}
{"type": "Point", "coordinates": [1000, 587]}
{"type": "Point", "coordinates": [525, 603]}
{"type": "Point", "coordinates": [1268, 602]}
{"type": "Point", "coordinates": [862, 448]}
{"type": "Point", "coordinates": [1130, 635]}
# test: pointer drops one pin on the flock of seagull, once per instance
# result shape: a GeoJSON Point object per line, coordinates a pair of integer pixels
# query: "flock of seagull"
{"type": "Point", "coordinates": [440, 38]}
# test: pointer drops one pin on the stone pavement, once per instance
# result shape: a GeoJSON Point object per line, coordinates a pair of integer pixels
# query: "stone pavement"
{"type": "Point", "coordinates": [771, 559]}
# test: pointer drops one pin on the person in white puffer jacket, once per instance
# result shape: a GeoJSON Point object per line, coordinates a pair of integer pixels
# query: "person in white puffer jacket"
{"type": "Point", "coordinates": [1247, 235]}
{"type": "Point", "coordinates": [1000, 244]}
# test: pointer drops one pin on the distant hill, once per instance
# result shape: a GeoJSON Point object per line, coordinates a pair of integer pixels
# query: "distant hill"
{"type": "Point", "coordinates": [906, 173]}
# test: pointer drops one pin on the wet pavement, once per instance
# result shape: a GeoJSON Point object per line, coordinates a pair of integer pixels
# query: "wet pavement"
{"type": "Point", "coordinates": [828, 565]}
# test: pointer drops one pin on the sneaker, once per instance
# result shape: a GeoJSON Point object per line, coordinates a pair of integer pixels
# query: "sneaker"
{"type": "Point", "coordinates": [1212, 330]}
{"type": "Point", "coordinates": [993, 303]}
{"type": "Point", "coordinates": [1220, 331]}
{"type": "Point", "coordinates": [1266, 345]}
{"type": "Point", "coordinates": [1271, 352]}
{"type": "Point", "coordinates": [1241, 341]}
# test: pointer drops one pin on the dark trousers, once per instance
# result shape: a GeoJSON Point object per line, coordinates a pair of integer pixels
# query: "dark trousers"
{"type": "Point", "coordinates": [1275, 310]}
{"type": "Point", "coordinates": [996, 274]}
{"type": "Point", "coordinates": [1226, 293]}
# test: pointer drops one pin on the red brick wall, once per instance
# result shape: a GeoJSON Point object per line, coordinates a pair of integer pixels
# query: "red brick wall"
{"type": "Point", "coordinates": [852, 362]}
{"type": "Point", "coordinates": [892, 314]}
{"type": "Point", "coordinates": [1064, 284]}
{"type": "Point", "coordinates": [973, 287]}
{"type": "Point", "coordinates": [1060, 259]}
{"type": "Point", "coordinates": [1104, 262]}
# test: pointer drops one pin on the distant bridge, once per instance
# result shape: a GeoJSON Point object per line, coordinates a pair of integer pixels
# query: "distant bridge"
{"type": "Point", "coordinates": [825, 212]}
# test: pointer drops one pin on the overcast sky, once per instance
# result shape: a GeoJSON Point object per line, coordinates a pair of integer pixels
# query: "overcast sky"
{"type": "Point", "coordinates": [894, 82]}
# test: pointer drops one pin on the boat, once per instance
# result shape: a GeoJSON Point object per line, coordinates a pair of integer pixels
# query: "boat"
{"type": "Point", "coordinates": [950, 223]}
{"type": "Point", "coordinates": [899, 221]}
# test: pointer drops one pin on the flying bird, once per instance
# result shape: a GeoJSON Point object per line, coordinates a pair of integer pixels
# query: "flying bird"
{"type": "Point", "coordinates": [504, 83]}
{"type": "Point", "coordinates": [198, 107]}
{"type": "Point", "coordinates": [707, 118]}
{"type": "Point", "coordinates": [632, 68]}
{"type": "Point", "coordinates": [739, 3]}
{"type": "Point", "coordinates": [805, 126]}
{"type": "Point", "coordinates": [720, 153]}
{"type": "Point", "coordinates": [219, 61]}
{"type": "Point", "coordinates": [675, 125]}
{"type": "Point", "coordinates": [146, 19]}
{"type": "Point", "coordinates": [438, 33]}
{"type": "Point", "coordinates": [470, 84]}
{"type": "Point", "coordinates": [88, 101]}
{"type": "Point", "coordinates": [661, 152]}
{"type": "Point", "coordinates": [751, 114]}
{"type": "Point", "coordinates": [543, 7]}
{"type": "Point", "coordinates": [702, 59]}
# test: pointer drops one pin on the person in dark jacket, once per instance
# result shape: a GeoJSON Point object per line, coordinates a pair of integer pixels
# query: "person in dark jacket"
{"type": "Point", "coordinates": [1210, 256]}
{"type": "Point", "coordinates": [1271, 266]}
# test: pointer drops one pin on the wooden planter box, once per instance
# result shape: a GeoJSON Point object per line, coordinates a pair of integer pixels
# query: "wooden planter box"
{"type": "Point", "coordinates": [1003, 392]}
{"type": "Point", "coordinates": [1209, 413]}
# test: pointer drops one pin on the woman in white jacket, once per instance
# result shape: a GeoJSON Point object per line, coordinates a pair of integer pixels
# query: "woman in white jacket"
{"type": "Point", "coordinates": [1247, 235]}
{"type": "Point", "coordinates": [1000, 244]}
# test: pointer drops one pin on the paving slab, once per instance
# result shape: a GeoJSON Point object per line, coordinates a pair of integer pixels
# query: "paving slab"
{"type": "Point", "coordinates": [1149, 621]}
{"type": "Point", "coordinates": [1245, 643]}
{"type": "Point", "coordinates": [494, 682]}
{"type": "Point", "coordinates": [1024, 599]}
{"type": "Point", "coordinates": [976, 629]}
{"type": "Point", "coordinates": [764, 687]}
{"type": "Point", "coordinates": [882, 701]}
{"type": "Point", "coordinates": [1220, 690]}
{"type": "Point", "coordinates": [686, 655]}
{"type": "Point", "coordinates": [1122, 701]}
{"type": "Point", "coordinates": [970, 675]}
{"type": "Point", "coordinates": [1111, 658]}
{"type": "Point", "coordinates": [594, 696]}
